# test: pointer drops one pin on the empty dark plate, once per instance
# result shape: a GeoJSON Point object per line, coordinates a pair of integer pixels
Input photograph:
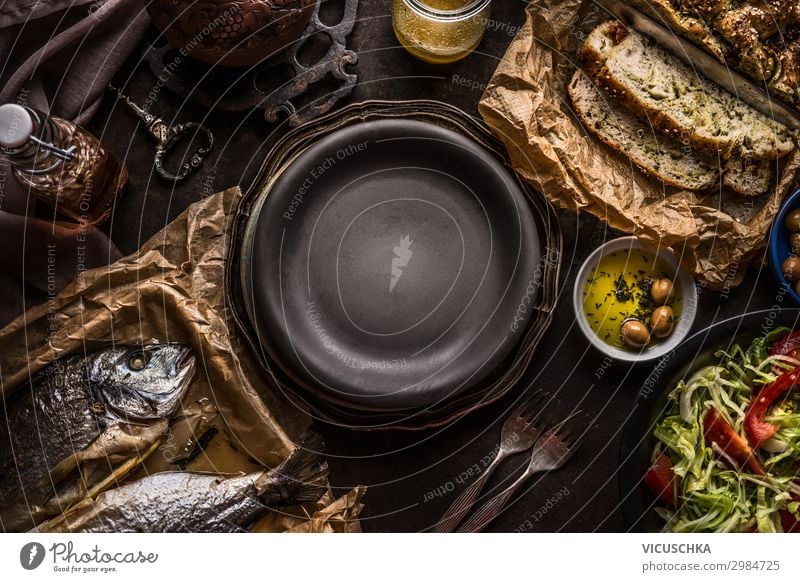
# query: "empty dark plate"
{"type": "Point", "coordinates": [391, 265]}
{"type": "Point", "coordinates": [651, 404]}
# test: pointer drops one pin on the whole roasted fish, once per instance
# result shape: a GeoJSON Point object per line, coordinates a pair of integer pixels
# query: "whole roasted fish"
{"type": "Point", "coordinates": [95, 409]}
{"type": "Point", "coordinates": [199, 502]}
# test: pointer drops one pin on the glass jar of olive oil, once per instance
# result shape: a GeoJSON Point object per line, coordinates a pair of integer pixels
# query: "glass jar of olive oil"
{"type": "Point", "coordinates": [440, 31]}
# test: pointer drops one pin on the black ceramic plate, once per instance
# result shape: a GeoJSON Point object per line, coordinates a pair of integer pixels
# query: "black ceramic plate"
{"type": "Point", "coordinates": [651, 404]}
{"type": "Point", "coordinates": [391, 265]}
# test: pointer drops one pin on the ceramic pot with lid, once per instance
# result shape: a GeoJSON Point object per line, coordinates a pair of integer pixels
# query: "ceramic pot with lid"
{"type": "Point", "coordinates": [232, 33]}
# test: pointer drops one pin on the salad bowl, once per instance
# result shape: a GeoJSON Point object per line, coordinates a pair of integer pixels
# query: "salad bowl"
{"type": "Point", "coordinates": [705, 348]}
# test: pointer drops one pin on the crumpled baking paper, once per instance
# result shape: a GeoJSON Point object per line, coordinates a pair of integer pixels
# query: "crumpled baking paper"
{"type": "Point", "coordinates": [527, 106]}
{"type": "Point", "coordinates": [172, 290]}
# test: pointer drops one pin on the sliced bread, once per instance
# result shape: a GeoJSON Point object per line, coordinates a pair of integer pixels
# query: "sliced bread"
{"type": "Point", "coordinates": [654, 153]}
{"type": "Point", "coordinates": [660, 88]}
{"type": "Point", "coordinates": [748, 177]}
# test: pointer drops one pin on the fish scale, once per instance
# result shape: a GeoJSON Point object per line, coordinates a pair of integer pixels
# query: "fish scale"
{"type": "Point", "coordinates": [53, 421]}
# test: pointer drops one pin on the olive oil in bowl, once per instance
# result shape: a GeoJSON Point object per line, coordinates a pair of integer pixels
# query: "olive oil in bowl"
{"type": "Point", "coordinates": [611, 305]}
{"type": "Point", "coordinates": [619, 290]}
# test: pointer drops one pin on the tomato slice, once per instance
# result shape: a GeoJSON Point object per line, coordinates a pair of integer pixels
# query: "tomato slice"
{"type": "Point", "coordinates": [786, 345]}
{"type": "Point", "coordinates": [661, 480]}
{"type": "Point", "coordinates": [718, 431]}
{"type": "Point", "coordinates": [759, 431]}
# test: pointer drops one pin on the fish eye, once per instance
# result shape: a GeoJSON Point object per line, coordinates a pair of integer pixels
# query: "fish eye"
{"type": "Point", "coordinates": [138, 361]}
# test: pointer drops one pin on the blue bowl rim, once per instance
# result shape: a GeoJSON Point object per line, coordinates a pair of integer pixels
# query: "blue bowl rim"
{"type": "Point", "coordinates": [791, 202]}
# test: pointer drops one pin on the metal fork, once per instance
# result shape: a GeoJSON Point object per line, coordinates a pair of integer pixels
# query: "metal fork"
{"type": "Point", "coordinates": [518, 434]}
{"type": "Point", "coordinates": [551, 452]}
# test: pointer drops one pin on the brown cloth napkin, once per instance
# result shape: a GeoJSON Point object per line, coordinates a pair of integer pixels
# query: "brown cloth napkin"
{"type": "Point", "coordinates": [57, 56]}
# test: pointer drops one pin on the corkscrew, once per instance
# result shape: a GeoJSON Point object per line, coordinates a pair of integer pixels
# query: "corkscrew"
{"type": "Point", "coordinates": [168, 137]}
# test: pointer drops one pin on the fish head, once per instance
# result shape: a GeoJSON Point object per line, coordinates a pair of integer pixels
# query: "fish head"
{"type": "Point", "coordinates": [145, 382]}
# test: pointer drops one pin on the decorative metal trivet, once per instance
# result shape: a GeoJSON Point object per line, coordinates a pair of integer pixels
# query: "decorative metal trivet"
{"type": "Point", "coordinates": [242, 88]}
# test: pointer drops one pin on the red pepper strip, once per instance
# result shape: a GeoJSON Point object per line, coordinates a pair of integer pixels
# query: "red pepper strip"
{"type": "Point", "coordinates": [718, 431]}
{"type": "Point", "coordinates": [786, 345]}
{"type": "Point", "coordinates": [789, 522]}
{"type": "Point", "coordinates": [660, 479]}
{"type": "Point", "coordinates": [757, 430]}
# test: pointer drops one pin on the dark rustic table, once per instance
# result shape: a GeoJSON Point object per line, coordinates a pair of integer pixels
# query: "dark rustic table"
{"type": "Point", "coordinates": [413, 478]}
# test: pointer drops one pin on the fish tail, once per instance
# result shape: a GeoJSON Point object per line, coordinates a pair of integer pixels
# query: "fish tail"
{"type": "Point", "coordinates": [304, 475]}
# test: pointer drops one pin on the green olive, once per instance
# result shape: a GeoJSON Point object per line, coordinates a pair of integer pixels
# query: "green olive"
{"type": "Point", "coordinates": [793, 220]}
{"type": "Point", "coordinates": [791, 268]}
{"type": "Point", "coordinates": [635, 334]}
{"type": "Point", "coordinates": [662, 321]}
{"type": "Point", "coordinates": [662, 291]}
{"type": "Point", "coordinates": [794, 243]}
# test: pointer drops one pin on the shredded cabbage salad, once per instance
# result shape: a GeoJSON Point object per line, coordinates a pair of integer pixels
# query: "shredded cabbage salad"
{"type": "Point", "coordinates": [710, 490]}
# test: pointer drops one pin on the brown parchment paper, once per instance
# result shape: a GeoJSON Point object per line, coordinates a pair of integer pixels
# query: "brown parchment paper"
{"type": "Point", "coordinates": [172, 290]}
{"type": "Point", "coordinates": [526, 104]}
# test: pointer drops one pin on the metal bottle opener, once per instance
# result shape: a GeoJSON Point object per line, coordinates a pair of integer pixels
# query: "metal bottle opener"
{"type": "Point", "coordinates": [168, 137]}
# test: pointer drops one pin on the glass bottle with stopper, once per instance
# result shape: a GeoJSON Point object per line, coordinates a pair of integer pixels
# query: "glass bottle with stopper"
{"type": "Point", "coordinates": [61, 163]}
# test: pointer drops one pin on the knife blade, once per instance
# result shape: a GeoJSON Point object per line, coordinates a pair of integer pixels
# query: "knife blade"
{"type": "Point", "coordinates": [702, 62]}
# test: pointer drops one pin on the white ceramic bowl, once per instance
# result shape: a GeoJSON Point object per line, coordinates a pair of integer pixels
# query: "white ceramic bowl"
{"type": "Point", "coordinates": [684, 281]}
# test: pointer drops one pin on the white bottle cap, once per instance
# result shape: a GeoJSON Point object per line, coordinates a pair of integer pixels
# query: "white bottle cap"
{"type": "Point", "coordinates": [16, 125]}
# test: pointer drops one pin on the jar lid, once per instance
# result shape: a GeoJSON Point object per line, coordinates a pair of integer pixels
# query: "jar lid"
{"type": "Point", "coordinates": [16, 125]}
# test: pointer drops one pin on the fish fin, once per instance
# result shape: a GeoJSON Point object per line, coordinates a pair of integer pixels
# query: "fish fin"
{"type": "Point", "coordinates": [118, 440]}
{"type": "Point", "coordinates": [65, 467]}
{"type": "Point", "coordinates": [305, 473]}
